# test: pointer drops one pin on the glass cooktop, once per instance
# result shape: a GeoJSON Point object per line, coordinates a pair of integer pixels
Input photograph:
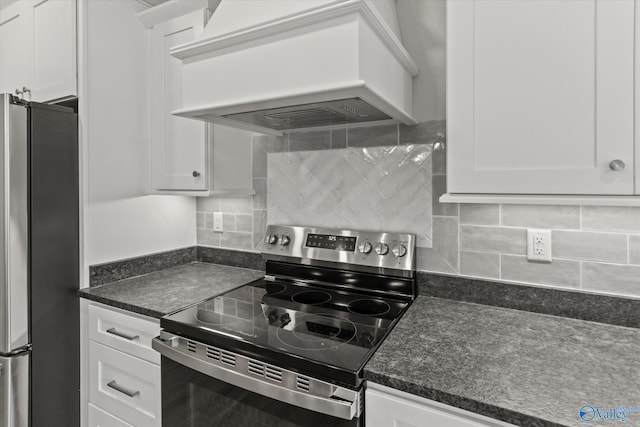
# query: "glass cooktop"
{"type": "Point", "coordinates": [302, 323]}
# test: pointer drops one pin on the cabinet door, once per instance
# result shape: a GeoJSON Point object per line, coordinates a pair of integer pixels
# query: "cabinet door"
{"type": "Point", "coordinates": [540, 96]}
{"type": "Point", "coordinates": [386, 407]}
{"type": "Point", "coordinates": [54, 49]}
{"type": "Point", "coordinates": [16, 57]}
{"type": "Point", "coordinates": [179, 145]}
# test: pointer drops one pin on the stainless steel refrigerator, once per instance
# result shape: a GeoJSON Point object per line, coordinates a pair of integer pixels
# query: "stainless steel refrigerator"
{"type": "Point", "coordinates": [39, 271]}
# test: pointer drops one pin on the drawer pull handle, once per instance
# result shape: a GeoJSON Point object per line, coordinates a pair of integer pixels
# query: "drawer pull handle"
{"type": "Point", "coordinates": [122, 335]}
{"type": "Point", "coordinates": [122, 390]}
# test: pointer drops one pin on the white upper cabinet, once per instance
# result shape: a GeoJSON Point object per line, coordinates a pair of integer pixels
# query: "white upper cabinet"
{"type": "Point", "coordinates": [54, 49]}
{"type": "Point", "coordinates": [179, 145]}
{"type": "Point", "coordinates": [540, 97]}
{"type": "Point", "coordinates": [38, 49]}
{"type": "Point", "coordinates": [189, 156]}
{"type": "Point", "coordinates": [15, 58]}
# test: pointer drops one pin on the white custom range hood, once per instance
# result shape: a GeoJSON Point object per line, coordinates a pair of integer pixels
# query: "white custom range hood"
{"type": "Point", "coordinates": [275, 65]}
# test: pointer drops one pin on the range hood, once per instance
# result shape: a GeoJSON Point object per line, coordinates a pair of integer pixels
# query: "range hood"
{"type": "Point", "coordinates": [274, 65]}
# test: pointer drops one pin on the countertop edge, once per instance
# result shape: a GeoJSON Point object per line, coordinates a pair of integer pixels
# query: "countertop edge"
{"type": "Point", "coordinates": [121, 305]}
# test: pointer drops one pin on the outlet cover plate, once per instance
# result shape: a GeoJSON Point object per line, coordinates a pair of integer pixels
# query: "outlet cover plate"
{"type": "Point", "coordinates": [217, 221]}
{"type": "Point", "coordinates": [539, 245]}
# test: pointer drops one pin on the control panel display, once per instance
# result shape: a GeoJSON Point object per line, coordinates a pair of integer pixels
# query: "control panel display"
{"type": "Point", "coordinates": [330, 241]}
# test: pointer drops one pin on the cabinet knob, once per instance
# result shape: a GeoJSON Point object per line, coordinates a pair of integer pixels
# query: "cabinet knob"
{"type": "Point", "coordinates": [616, 165]}
{"type": "Point", "coordinates": [195, 174]}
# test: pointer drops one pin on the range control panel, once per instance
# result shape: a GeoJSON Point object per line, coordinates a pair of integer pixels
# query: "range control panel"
{"type": "Point", "coordinates": [363, 248]}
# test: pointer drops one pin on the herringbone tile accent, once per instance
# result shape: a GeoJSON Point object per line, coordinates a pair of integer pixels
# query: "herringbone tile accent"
{"type": "Point", "coordinates": [373, 188]}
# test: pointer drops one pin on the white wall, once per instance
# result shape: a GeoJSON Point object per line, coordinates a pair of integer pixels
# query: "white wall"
{"type": "Point", "coordinates": [423, 30]}
{"type": "Point", "coordinates": [121, 221]}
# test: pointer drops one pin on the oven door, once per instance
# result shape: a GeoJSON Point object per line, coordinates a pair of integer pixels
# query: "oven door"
{"type": "Point", "coordinates": [225, 396]}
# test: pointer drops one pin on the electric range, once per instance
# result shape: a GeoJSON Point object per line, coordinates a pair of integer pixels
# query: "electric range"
{"type": "Point", "coordinates": [300, 336]}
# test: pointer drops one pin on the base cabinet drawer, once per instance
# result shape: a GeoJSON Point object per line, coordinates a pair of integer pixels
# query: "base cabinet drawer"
{"type": "Point", "coordinates": [125, 386]}
{"type": "Point", "coordinates": [125, 332]}
{"type": "Point", "coordinates": [386, 407]}
{"type": "Point", "coordinates": [100, 418]}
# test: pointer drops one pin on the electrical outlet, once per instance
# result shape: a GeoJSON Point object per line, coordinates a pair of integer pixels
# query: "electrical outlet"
{"type": "Point", "coordinates": [217, 221]}
{"type": "Point", "coordinates": [539, 245]}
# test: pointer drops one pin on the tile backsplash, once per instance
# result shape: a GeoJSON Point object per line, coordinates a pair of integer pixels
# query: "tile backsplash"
{"type": "Point", "coordinates": [373, 188]}
{"type": "Point", "coordinates": [594, 248]}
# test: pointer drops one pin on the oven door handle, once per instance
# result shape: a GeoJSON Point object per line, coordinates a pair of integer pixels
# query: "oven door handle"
{"type": "Point", "coordinates": [345, 405]}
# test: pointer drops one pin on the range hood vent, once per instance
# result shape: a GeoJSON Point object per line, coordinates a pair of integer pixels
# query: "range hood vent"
{"type": "Point", "coordinates": [275, 65]}
{"type": "Point", "coordinates": [329, 113]}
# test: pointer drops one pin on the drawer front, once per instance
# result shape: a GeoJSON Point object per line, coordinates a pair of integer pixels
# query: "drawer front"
{"type": "Point", "coordinates": [124, 386]}
{"type": "Point", "coordinates": [125, 332]}
{"type": "Point", "coordinates": [100, 418]}
{"type": "Point", "coordinates": [386, 407]}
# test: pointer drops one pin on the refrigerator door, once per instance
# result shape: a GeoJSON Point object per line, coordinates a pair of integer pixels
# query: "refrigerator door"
{"type": "Point", "coordinates": [14, 298]}
{"type": "Point", "coordinates": [14, 390]}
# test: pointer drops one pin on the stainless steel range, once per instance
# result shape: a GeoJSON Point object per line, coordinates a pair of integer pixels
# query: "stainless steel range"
{"type": "Point", "coordinates": [289, 349]}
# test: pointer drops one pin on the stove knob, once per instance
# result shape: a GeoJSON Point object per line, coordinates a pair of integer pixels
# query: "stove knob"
{"type": "Point", "coordinates": [382, 248]}
{"type": "Point", "coordinates": [284, 240]}
{"type": "Point", "coordinates": [271, 239]}
{"type": "Point", "coordinates": [365, 247]}
{"type": "Point", "coordinates": [399, 250]}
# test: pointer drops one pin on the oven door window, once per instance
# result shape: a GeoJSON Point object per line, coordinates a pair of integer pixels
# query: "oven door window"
{"type": "Point", "coordinates": [192, 399]}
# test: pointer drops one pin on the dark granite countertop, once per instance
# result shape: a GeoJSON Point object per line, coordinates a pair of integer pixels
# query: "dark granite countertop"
{"type": "Point", "coordinates": [525, 368]}
{"type": "Point", "coordinates": [165, 291]}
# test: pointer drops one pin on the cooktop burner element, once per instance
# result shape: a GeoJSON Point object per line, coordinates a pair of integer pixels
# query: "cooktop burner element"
{"type": "Point", "coordinates": [317, 332]}
{"type": "Point", "coordinates": [272, 288]}
{"type": "Point", "coordinates": [325, 304]}
{"type": "Point", "coordinates": [311, 297]}
{"type": "Point", "coordinates": [369, 307]}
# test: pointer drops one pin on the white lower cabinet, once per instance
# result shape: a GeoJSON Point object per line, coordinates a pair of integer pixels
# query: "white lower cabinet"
{"type": "Point", "coordinates": [387, 407]}
{"type": "Point", "coordinates": [124, 371]}
{"type": "Point", "coordinates": [100, 418]}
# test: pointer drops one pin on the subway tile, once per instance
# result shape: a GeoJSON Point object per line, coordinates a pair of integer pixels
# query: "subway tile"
{"type": "Point", "coordinates": [372, 136]}
{"type": "Point", "coordinates": [611, 278]}
{"type": "Point", "coordinates": [259, 228]}
{"type": "Point", "coordinates": [479, 214]}
{"type": "Point", "coordinates": [244, 223]}
{"type": "Point", "coordinates": [199, 220]}
{"type": "Point", "coordinates": [260, 198]}
{"type": "Point", "coordinates": [422, 133]}
{"type": "Point", "coordinates": [611, 218]}
{"type": "Point", "coordinates": [208, 238]}
{"type": "Point", "coordinates": [312, 140]}
{"type": "Point", "coordinates": [208, 220]}
{"type": "Point", "coordinates": [480, 264]}
{"type": "Point", "coordinates": [634, 249]}
{"type": "Point", "coordinates": [229, 222]}
{"type": "Point", "coordinates": [338, 138]}
{"type": "Point", "coordinates": [207, 204]}
{"type": "Point", "coordinates": [440, 159]}
{"type": "Point", "coordinates": [235, 240]}
{"type": "Point", "coordinates": [541, 216]}
{"type": "Point", "coordinates": [582, 245]}
{"type": "Point", "coordinates": [428, 259]}
{"type": "Point", "coordinates": [439, 186]}
{"type": "Point", "coordinates": [493, 239]}
{"type": "Point", "coordinates": [557, 273]}
{"type": "Point", "coordinates": [236, 204]}
{"type": "Point", "coordinates": [259, 160]}
{"type": "Point", "coordinates": [273, 144]}
{"type": "Point", "coordinates": [445, 240]}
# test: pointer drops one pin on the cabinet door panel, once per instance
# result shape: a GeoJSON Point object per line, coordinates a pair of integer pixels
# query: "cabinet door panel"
{"type": "Point", "coordinates": [54, 42]}
{"type": "Point", "coordinates": [180, 145]}
{"type": "Point", "coordinates": [540, 96]}
{"type": "Point", "coordinates": [15, 48]}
